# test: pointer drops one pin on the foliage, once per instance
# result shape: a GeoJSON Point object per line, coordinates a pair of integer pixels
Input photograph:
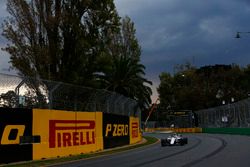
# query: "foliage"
{"type": "Point", "coordinates": [129, 43]}
{"type": "Point", "coordinates": [208, 86]}
{"type": "Point", "coordinates": [30, 98]}
{"type": "Point", "coordinates": [57, 39]}
{"type": "Point", "coordinates": [72, 42]}
{"type": "Point", "coordinates": [126, 78]}
{"type": "Point", "coordinates": [8, 99]}
{"type": "Point", "coordinates": [126, 74]}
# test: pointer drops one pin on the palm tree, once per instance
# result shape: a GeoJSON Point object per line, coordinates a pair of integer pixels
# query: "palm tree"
{"type": "Point", "coordinates": [126, 77]}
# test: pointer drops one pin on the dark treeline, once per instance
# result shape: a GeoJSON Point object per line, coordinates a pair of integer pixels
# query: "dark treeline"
{"type": "Point", "coordinates": [199, 88]}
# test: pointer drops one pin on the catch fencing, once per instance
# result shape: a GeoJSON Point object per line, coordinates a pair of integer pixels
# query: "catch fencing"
{"type": "Point", "coordinates": [171, 118]}
{"type": "Point", "coordinates": [230, 115]}
{"type": "Point", "coordinates": [24, 92]}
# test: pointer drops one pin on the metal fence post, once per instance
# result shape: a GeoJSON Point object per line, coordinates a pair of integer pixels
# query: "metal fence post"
{"type": "Point", "coordinates": [17, 91]}
{"type": "Point", "coordinates": [51, 95]}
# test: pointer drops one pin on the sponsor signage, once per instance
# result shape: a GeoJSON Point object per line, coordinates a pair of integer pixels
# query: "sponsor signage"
{"type": "Point", "coordinates": [66, 133]}
{"type": "Point", "coordinates": [11, 134]}
{"type": "Point", "coordinates": [35, 134]}
{"type": "Point", "coordinates": [15, 124]}
{"type": "Point", "coordinates": [179, 113]}
{"type": "Point", "coordinates": [115, 130]}
{"type": "Point", "coordinates": [134, 130]}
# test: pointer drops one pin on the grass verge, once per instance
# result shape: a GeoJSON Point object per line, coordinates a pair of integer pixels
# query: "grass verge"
{"type": "Point", "coordinates": [149, 140]}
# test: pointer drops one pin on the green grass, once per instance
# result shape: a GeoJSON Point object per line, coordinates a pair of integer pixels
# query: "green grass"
{"type": "Point", "coordinates": [149, 140]}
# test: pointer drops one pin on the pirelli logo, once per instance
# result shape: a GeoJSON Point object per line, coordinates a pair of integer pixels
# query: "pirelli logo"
{"type": "Point", "coordinates": [135, 129]}
{"type": "Point", "coordinates": [67, 133]}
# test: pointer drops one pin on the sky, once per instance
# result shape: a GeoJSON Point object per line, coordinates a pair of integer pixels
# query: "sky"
{"type": "Point", "coordinates": [172, 32]}
{"type": "Point", "coordinates": [201, 32]}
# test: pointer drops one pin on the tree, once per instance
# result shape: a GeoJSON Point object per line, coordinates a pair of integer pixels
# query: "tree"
{"type": "Point", "coordinates": [72, 41]}
{"type": "Point", "coordinates": [57, 39]}
{"type": "Point", "coordinates": [205, 87]}
{"type": "Point", "coordinates": [86, 39]}
{"type": "Point", "coordinates": [130, 45]}
{"type": "Point", "coordinates": [165, 89]}
{"type": "Point", "coordinates": [126, 74]}
{"type": "Point", "coordinates": [126, 78]}
{"type": "Point", "coordinates": [8, 99]}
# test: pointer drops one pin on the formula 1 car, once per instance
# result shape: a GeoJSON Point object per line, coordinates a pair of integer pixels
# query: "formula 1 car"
{"type": "Point", "coordinates": [174, 139]}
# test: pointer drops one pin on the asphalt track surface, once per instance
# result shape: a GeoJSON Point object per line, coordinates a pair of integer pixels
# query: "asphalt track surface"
{"type": "Point", "coordinates": [202, 150]}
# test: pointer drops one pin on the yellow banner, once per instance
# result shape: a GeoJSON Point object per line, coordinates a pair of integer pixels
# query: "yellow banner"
{"type": "Point", "coordinates": [66, 133]}
{"type": "Point", "coordinates": [178, 130]}
{"type": "Point", "coordinates": [187, 130]}
{"type": "Point", "coordinates": [135, 134]}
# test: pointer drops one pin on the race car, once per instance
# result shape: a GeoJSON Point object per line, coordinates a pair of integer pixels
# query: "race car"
{"type": "Point", "coordinates": [174, 139]}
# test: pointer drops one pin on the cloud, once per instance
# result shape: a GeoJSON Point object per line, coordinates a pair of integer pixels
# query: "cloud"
{"type": "Point", "coordinates": [3, 8]}
{"type": "Point", "coordinates": [173, 32]}
{"type": "Point", "coordinates": [4, 62]}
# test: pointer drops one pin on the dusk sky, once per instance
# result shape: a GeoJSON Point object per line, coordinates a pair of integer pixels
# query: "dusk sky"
{"type": "Point", "coordinates": [173, 32]}
{"type": "Point", "coordinates": [201, 32]}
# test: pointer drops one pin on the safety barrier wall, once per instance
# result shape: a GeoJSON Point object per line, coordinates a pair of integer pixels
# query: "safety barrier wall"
{"type": "Point", "coordinates": [115, 130]}
{"type": "Point", "coordinates": [66, 133]}
{"type": "Point", "coordinates": [27, 134]}
{"type": "Point", "coordinates": [178, 130]}
{"type": "Point", "coordinates": [135, 134]}
{"type": "Point", "coordinates": [13, 125]}
{"type": "Point", "coordinates": [234, 115]}
{"type": "Point", "coordinates": [187, 130]}
{"type": "Point", "coordinates": [236, 131]}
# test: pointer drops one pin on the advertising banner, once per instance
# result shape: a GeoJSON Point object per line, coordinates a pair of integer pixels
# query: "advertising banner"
{"type": "Point", "coordinates": [115, 130]}
{"type": "Point", "coordinates": [27, 134]}
{"type": "Point", "coordinates": [135, 135]}
{"type": "Point", "coordinates": [66, 133]}
{"type": "Point", "coordinates": [15, 124]}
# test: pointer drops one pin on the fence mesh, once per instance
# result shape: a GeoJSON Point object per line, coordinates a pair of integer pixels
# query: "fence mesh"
{"type": "Point", "coordinates": [230, 115]}
{"type": "Point", "coordinates": [27, 92]}
{"type": "Point", "coordinates": [163, 118]}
